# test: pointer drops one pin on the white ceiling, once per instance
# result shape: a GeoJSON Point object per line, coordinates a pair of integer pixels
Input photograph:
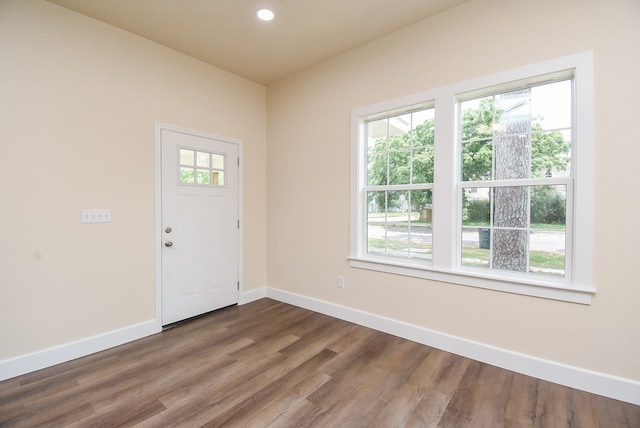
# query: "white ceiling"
{"type": "Point", "coordinates": [227, 34]}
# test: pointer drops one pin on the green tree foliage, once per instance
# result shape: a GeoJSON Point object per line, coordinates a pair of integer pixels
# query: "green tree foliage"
{"type": "Point", "coordinates": [408, 158]}
{"type": "Point", "coordinates": [549, 150]}
{"type": "Point", "coordinates": [547, 206]}
{"type": "Point", "coordinates": [477, 153]}
{"type": "Point", "coordinates": [410, 161]}
{"type": "Point", "coordinates": [478, 211]}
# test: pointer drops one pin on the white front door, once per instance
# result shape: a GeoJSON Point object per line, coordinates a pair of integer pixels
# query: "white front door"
{"type": "Point", "coordinates": [200, 224]}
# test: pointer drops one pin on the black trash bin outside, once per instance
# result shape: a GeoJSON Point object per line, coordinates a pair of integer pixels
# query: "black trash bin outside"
{"type": "Point", "coordinates": [485, 238]}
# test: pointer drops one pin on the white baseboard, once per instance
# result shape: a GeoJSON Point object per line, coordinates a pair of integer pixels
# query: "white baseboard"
{"type": "Point", "coordinates": [586, 380]}
{"type": "Point", "coordinates": [252, 296]}
{"type": "Point", "coordinates": [59, 354]}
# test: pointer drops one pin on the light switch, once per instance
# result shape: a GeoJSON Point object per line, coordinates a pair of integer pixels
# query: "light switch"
{"type": "Point", "coordinates": [96, 216]}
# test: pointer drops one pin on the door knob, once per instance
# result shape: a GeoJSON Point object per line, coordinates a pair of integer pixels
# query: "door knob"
{"type": "Point", "coordinates": [168, 243]}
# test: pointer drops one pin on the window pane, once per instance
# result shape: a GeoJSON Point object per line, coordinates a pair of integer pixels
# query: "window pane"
{"type": "Point", "coordinates": [376, 218]}
{"type": "Point", "coordinates": [217, 178]}
{"type": "Point", "coordinates": [421, 232]}
{"type": "Point", "coordinates": [512, 136]}
{"type": "Point", "coordinates": [547, 252]}
{"type": "Point", "coordinates": [476, 207]}
{"type": "Point", "coordinates": [217, 161]}
{"type": "Point", "coordinates": [400, 132]}
{"type": "Point", "coordinates": [186, 157]}
{"type": "Point", "coordinates": [421, 241]}
{"type": "Point", "coordinates": [511, 206]}
{"type": "Point", "coordinates": [476, 244]}
{"type": "Point", "coordinates": [399, 167]}
{"type": "Point", "coordinates": [422, 166]}
{"type": "Point", "coordinates": [397, 205]}
{"type": "Point", "coordinates": [513, 105]}
{"type": "Point", "coordinates": [423, 127]}
{"type": "Point", "coordinates": [551, 106]}
{"type": "Point", "coordinates": [399, 224]}
{"type": "Point", "coordinates": [187, 175]}
{"type": "Point", "coordinates": [376, 206]}
{"type": "Point", "coordinates": [203, 176]}
{"type": "Point", "coordinates": [398, 239]}
{"type": "Point", "coordinates": [378, 169]}
{"type": "Point", "coordinates": [548, 207]}
{"type": "Point", "coordinates": [509, 249]}
{"type": "Point", "coordinates": [377, 133]}
{"type": "Point", "coordinates": [202, 159]}
{"type": "Point", "coordinates": [376, 239]}
{"type": "Point", "coordinates": [421, 206]}
{"type": "Point", "coordinates": [477, 119]}
{"type": "Point", "coordinates": [400, 125]}
{"type": "Point", "coordinates": [477, 160]}
{"type": "Point", "coordinates": [476, 241]}
{"type": "Point", "coordinates": [551, 154]}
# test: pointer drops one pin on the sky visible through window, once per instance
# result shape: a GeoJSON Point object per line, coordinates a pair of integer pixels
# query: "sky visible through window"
{"type": "Point", "coordinates": [550, 106]}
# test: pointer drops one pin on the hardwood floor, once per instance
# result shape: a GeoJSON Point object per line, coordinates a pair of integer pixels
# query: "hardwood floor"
{"type": "Point", "coordinates": [269, 364]}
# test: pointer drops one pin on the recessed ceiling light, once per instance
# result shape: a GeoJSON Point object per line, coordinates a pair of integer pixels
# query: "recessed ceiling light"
{"type": "Point", "coordinates": [265, 14]}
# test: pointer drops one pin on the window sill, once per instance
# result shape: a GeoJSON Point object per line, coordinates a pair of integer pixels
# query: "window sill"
{"type": "Point", "coordinates": [471, 278]}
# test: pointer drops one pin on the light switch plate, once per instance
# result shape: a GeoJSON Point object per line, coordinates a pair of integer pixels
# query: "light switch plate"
{"type": "Point", "coordinates": [96, 216]}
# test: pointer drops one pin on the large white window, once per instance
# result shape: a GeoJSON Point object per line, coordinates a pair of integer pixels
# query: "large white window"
{"type": "Point", "coordinates": [399, 183]}
{"type": "Point", "coordinates": [486, 182]}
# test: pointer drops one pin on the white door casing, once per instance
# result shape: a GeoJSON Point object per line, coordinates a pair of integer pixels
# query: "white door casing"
{"type": "Point", "coordinates": [199, 222]}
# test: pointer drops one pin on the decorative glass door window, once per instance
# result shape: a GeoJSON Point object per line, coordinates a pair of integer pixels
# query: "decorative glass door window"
{"type": "Point", "coordinates": [201, 168]}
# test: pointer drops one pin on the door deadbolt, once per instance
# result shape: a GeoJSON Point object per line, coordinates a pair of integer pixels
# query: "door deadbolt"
{"type": "Point", "coordinates": [167, 229]}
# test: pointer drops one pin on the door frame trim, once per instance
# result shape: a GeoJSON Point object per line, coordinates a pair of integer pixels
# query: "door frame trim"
{"type": "Point", "coordinates": [159, 126]}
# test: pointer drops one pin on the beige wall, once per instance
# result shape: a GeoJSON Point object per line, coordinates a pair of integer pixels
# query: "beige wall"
{"type": "Point", "coordinates": [78, 105]}
{"type": "Point", "coordinates": [308, 176]}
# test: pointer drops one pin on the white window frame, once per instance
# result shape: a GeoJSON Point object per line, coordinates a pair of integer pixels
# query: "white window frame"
{"type": "Point", "coordinates": [445, 266]}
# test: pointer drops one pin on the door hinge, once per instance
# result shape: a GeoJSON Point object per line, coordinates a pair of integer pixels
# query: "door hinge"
{"type": "Point", "coordinates": [238, 162]}
{"type": "Point", "coordinates": [238, 224]}
{"type": "Point", "coordinates": [238, 285]}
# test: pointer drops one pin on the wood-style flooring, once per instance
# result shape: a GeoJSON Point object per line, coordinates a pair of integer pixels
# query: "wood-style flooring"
{"type": "Point", "coordinates": [269, 364]}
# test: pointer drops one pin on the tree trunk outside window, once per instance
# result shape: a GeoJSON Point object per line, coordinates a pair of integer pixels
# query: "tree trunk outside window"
{"type": "Point", "coordinates": [512, 157]}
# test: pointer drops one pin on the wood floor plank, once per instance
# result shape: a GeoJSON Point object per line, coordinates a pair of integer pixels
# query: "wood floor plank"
{"type": "Point", "coordinates": [347, 378]}
{"type": "Point", "coordinates": [320, 330]}
{"type": "Point", "coordinates": [37, 390]}
{"type": "Point", "coordinates": [222, 390]}
{"type": "Point", "coordinates": [418, 402]}
{"type": "Point", "coordinates": [64, 415]}
{"type": "Point", "coordinates": [118, 416]}
{"type": "Point", "coordinates": [480, 400]}
{"type": "Point", "coordinates": [523, 402]}
{"type": "Point", "coordinates": [552, 406]}
{"type": "Point", "coordinates": [295, 384]}
{"type": "Point", "coordinates": [270, 364]}
{"type": "Point", "coordinates": [434, 383]}
{"type": "Point", "coordinates": [389, 374]}
{"type": "Point", "coordinates": [217, 387]}
{"type": "Point", "coordinates": [441, 372]}
{"type": "Point", "coordinates": [170, 371]}
{"type": "Point", "coordinates": [631, 413]}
